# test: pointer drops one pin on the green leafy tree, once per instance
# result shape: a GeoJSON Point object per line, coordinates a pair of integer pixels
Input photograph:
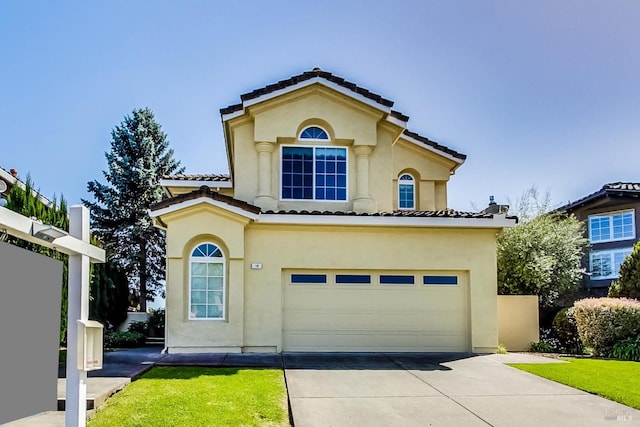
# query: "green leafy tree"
{"type": "Point", "coordinates": [109, 293]}
{"type": "Point", "coordinates": [138, 158]}
{"type": "Point", "coordinates": [542, 256]}
{"type": "Point", "coordinates": [628, 283]}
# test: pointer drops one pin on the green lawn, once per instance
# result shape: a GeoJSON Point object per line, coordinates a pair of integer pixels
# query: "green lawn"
{"type": "Point", "coordinates": [613, 379]}
{"type": "Point", "coordinates": [193, 396]}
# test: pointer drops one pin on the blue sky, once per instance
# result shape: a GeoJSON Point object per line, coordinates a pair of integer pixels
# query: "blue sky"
{"type": "Point", "coordinates": [544, 92]}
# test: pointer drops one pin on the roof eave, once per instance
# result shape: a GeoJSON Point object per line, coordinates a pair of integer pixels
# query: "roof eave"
{"type": "Point", "coordinates": [442, 153]}
{"type": "Point", "coordinates": [300, 85]}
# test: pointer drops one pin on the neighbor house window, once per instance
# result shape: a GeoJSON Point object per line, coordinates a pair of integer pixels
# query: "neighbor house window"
{"type": "Point", "coordinates": [206, 282]}
{"type": "Point", "coordinates": [314, 173]}
{"type": "Point", "coordinates": [606, 264]}
{"type": "Point", "coordinates": [612, 226]}
{"type": "Point", "coordinates": [406, 192]}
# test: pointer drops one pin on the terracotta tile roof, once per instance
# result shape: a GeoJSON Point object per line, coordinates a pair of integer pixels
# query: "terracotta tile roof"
{"type": "Point", "coordinates": [449, 213]}
{"type": "Point", "coordinates": [615, 189]}
{"type": "Point", "coordinates": [307, 75]}
{"type": "Point", "coordinates": [398, 115]}
{"type": "Point", "coordinates": [435, 145]}
{"type": "Point", "coordinates": [199, 177]}
{"type": "Point", "coordinates": [204, 191]}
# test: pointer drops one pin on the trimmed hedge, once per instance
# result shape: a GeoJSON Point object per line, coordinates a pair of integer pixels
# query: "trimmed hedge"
{"type": "Point", "coordinates": [604, 321]}
{"type": "Point", "coordinates": [123, 339]}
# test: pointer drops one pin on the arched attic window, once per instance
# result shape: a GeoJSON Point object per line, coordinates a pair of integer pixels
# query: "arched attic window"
{"type": "Point", "coordinates": [207, 294]}
{"type": "Point", "coordinates": [314, 132]}
{"type": "Point", "coordinates": [406, 192]}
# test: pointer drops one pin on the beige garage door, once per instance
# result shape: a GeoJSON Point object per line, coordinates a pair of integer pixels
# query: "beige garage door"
{"type": "Point", "coordinates": [375, 311]}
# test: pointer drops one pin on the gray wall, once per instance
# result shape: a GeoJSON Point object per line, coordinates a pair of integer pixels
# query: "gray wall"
{"type": "Point", "coordinates": [30, 296]}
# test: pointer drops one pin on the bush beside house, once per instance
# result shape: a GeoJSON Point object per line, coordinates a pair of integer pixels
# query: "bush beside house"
{"type": "Point", "coordinates": [602, 322]}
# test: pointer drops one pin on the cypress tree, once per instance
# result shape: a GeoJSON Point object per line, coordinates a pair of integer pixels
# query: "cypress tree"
{"type": "Point", "coordinates": [138, 158]}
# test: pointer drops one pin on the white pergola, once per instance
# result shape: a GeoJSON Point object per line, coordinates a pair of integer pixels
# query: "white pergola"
{"type": "Point", "coordinates": [81, 253]}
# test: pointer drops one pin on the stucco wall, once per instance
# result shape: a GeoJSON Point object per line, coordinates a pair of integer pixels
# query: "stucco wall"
{"type": "Point", "coordinates": [518, 324]}
{"type": "Point", "coordinates": [255, 296]}
{"type": "Point", "coordinates": [350, 124]}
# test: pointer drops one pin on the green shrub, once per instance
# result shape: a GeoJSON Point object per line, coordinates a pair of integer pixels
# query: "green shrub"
{"type": "Point", "coordinates": [628, 284]}
{"type": "Point", "coordinates": [501, 349]}
{"type": "Point", "coordinates": [123, 339]}
{"type": "Point", "coordinates": [138, 327]}
{"type": "Point", "coordinates": [604, 321]}
{"type": "Point", "coordinates": [155, 323]}
{"type": "Point", "coordinates": [541, 347]}
{"type": "Point", "coordinates": [565, 330]}
{"type": "Point", "coordinates": [628, 349]}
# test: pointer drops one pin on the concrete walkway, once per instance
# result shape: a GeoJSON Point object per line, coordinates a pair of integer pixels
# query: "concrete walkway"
{"type": "Point", "coordinates": [449, 390]}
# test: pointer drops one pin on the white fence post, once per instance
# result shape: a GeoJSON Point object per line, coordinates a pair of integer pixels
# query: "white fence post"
{"type": "Point", "coordinates": [78, 309]}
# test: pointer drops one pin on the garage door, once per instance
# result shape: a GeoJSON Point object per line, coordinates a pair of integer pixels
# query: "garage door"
{"type": "Point", "coordinates": [375, 311]}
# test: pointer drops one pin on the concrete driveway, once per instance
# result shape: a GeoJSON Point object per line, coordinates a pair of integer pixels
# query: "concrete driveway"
{"type": "Point", "coordinates": [427, 389]}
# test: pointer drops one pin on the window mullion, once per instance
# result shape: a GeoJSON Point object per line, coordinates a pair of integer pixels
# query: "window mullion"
{"type": "Point", "coordinates": [313, 184]}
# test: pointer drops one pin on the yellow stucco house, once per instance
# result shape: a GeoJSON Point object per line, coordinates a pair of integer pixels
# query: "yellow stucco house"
{"type": "Point", "coordinates": [331, 233]}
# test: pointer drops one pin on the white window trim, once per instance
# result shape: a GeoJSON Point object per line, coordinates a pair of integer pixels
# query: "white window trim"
{"type": "Point", "coordinates": [610, 215]}
{"type": "Point", "coordinates": [224, 283]}
{"type": "Point", "coordinates": [300, 138]}
{"type": "Point", "coordinates": [314, 200]}
{"type": "Point", "coordinates": [610, 252]}
{"type": "Point", "coordinates": [413, 183]}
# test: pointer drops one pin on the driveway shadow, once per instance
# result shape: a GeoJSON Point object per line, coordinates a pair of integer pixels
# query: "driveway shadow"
{"type": "Point", "coordinates": [372, 361]}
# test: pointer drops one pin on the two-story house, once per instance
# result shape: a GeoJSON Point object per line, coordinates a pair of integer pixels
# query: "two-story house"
{"type": "Point", "coordinates": [330, 233]}
{"type": "Point", "coordinates": [612, 219]}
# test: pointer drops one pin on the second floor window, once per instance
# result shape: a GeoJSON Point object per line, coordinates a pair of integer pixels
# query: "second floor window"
{"type": "Point", "coordinates": [612, 226]}
{"type": "Point", "coordinates": [406, 192]}
{"type": "Point", "coordinates": [314, 173]}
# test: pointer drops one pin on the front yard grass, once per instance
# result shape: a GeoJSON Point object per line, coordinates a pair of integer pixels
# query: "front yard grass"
{"type": "Point", "coordinates": [613, 379]}
{"type": "Point", "coordinates": [195, 396]}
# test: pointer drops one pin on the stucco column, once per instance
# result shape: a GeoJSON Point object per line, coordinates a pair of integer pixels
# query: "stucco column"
{"type": "Point", "coordinates": [265, 197]}
{"type": "Point", "coordinates": [363, 201]}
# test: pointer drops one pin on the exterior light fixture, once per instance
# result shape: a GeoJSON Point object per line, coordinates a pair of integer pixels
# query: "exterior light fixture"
{"type": "Point", "coordinates": [48, 233]}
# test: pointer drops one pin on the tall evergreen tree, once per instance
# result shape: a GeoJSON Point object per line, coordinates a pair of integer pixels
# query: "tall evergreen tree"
{"type": "Point", "coordinates": [138, 158]}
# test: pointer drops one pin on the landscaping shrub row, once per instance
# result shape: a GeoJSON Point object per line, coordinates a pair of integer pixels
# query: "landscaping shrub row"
{"type": "Point", "coordinates": [602, 322]}
{"type": "Point", "coordinates": [610, 327]}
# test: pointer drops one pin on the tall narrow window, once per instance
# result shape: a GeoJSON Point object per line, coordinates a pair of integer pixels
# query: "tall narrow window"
{"type": "Point", "coordinates": [406, 192]}
{"type": "Point", "coordinates": [206, 282]}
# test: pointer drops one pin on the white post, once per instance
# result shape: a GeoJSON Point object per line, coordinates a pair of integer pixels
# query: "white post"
{"type": "Point", "coordinates": [78, 309]}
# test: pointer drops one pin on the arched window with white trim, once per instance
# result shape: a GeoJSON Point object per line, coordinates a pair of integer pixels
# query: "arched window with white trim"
{"type": "Point", "coordinates": [406, 192]}
{"type": "Point", "coordinates": [315, 133]}
{"type": "Point", "coordinates": [207, 294]}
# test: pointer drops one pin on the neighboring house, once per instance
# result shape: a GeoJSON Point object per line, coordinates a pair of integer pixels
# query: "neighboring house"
{"type": "Point", "coordinates": [331, 233]}
{"type": "Point", "coordinates": [612, 220]}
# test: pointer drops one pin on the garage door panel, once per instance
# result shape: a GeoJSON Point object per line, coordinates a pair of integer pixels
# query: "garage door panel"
{"type": "Point", "coordinates": [376, 317]}
{"type": "Point", "coordinates": [378, 341]}
{"type": "Point", "coordinates": [408, 320]}
{"type": "Point", "coordinates": [381, 299]}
